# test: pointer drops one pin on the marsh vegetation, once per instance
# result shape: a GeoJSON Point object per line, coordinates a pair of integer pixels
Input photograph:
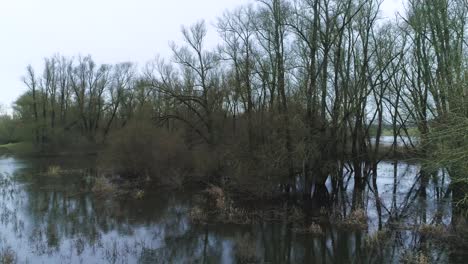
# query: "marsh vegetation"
{"type": "Point", "coordinates": [315, 131]}
{"type": "Point", "coordinates": [66, 218]}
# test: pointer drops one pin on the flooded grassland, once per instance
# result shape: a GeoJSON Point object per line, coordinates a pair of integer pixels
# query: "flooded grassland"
{"type": "Point", "coordinates": [50, 212]}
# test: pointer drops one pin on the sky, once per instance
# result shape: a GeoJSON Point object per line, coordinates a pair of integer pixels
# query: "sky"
{"type": "Point", "coordinates": [112, 31]}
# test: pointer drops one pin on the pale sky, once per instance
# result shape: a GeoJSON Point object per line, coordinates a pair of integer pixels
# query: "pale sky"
{"type": "Point", "coordinates": [111, 31]}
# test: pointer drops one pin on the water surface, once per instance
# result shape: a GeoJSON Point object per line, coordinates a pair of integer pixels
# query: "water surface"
{"type": "Point", "coordinates": [56, 219]}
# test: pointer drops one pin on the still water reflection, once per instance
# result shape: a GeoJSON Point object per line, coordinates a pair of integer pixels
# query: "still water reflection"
{"type": "Point", "coordinates": [56, 219]}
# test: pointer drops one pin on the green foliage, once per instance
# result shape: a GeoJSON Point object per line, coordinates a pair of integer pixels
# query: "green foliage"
{"type": "Point", "coordinates": [448, 140]}
{"type": "Point", "coordinates": [448, 145]}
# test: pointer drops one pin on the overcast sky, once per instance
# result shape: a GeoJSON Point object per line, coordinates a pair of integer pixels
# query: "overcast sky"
{"type": "Point", "coordinates": [110, 30]}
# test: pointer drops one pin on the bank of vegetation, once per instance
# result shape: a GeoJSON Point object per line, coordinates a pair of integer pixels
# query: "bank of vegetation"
{"type": "Point", "coordinates": [296, 93]}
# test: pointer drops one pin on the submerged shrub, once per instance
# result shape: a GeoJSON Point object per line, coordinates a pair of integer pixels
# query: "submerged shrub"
{"type": "Point", "coordinates": [139, 194]}
{"type": "Point", "coordinates": [103, 185]}
{"type": "Point", "coordinates": [434, 231]}
{"type": "Point", "coordinates": [216, 195]}
{"type": "Point", "coordinates": [8, 256]}
{"type": "Point", "coordinates": [218, 207]}
{"type": "Point", "coordinates": [410, 257]}
{"type": "Point", "coordinates": [198, 215]}
{"type": "Point", "coordinates": [377, 239]}
{"type": "Point", "coordinates": [53, 171]}
{"type": "Point", "coordinates": [357, 219]}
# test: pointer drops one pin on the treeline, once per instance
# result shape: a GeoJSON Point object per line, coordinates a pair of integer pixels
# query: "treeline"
{"type": "Point", "coordinates": [296, 92]}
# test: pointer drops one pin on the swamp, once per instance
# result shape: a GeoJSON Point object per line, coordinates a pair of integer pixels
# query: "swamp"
{"type": "Point", "coordinates": [301, 131]}
{"type": "Point", "coordinates": [56, 217]}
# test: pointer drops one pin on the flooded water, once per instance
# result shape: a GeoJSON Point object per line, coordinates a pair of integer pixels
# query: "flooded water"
{"type": "Point", "coordinates": [56, 219]}
{"type": "Point", "coordinates": [400, 141]}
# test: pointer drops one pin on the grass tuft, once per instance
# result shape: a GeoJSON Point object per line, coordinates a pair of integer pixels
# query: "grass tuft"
{"type": "Point", "coordinates": [8, 256]}
{"type": "Point", "coordinates": [103, 185]}
{"type": "Point", "coordinates": [53, 171]}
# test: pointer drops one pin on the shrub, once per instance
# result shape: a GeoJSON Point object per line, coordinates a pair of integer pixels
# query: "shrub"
{"type": "Point", "coordinates": [217, 207]}
{"type": "Point", "coordinates": [216, 194]}
{"type": "Point", "coordinates": [434, 231]}
{"type": "Point", "coordinates": [198, 215]}
{"type": "Point", "coordinates": [142, 150]}
{"type": "Point", "coordinates": [8, 256]}
{"type": "Point", "coordinates": [53, 171]}
{"type": "Point", "coordinates": [377, 239]}
{"type": "Point", "coordinates": [103, 185]}
{"type": "Point", "coordinates": [357, 219]}
{"type": "Point", "coordinates": [415, 258]}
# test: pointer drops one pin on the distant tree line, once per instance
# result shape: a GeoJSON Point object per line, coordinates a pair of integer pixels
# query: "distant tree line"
{"type": "Point", "coordinates": [298, 90]}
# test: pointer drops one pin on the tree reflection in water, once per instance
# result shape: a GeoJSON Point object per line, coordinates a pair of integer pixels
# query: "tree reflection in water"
{"type": "Point", "coordinates": [48, 219]}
